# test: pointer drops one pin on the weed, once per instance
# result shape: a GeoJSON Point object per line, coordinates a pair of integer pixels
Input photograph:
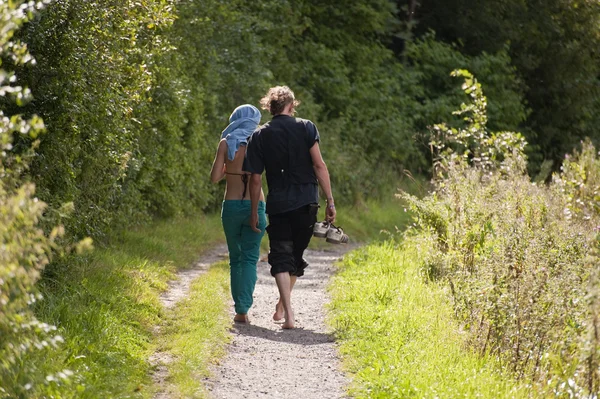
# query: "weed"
{"type": "Point", "coordinates": [514, 252]}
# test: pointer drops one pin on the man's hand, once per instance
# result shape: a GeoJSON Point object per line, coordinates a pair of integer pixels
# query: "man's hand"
{"type": "Point", "coordinates": [255, 187]}
{"type": "Point", "coordinates": [330, 213]}
{"type": "Point", "coordinates": [254, 222]}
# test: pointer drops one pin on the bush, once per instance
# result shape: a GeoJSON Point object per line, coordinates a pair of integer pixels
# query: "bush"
{"type": "Point", "coordinates": [579, 183]}
{"type": "Point", "coordinates": [516, 263]}
{"type": "Point", "coordinates": [24, 248]}
{"type": "Point", "coordinates": [430, 60]}
{"type": "Point", "coordinates": [94, 76]}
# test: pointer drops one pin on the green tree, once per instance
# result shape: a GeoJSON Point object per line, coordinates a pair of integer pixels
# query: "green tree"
{"type": "Point", "coordinates": [94, 72]}
{"type": "Point", "coordinates": [553, 46]}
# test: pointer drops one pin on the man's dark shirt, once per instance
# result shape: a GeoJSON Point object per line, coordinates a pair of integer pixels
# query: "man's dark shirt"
{"type": "Point", "coordinates": [282, 149]}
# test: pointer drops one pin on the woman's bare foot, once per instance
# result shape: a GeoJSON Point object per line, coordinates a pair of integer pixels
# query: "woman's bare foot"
{"type": "Point", "coordinates": [241, 318]}
{"type": "Point", "coordinates": [289, 321]}
{"type": "Point", "coordinates": [279, 313]}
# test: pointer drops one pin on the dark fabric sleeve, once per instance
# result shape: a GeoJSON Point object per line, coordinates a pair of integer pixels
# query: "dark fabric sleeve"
{"type": "Point", "coordinates": [312, 134]}
{"type": "Point", "coordinates": [253, 162]}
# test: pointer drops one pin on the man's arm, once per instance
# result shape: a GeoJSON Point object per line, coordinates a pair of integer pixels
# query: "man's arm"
{"type": "Point", "coordinates": [254, 164]}
{"type": "Point", "coordinates": [255, 188]}
{"type": "Point", "coordinates": [323, 177]}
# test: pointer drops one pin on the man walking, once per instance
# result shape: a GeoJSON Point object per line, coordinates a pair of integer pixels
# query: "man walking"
{"type": "Point", "coordinates": [287, 149]}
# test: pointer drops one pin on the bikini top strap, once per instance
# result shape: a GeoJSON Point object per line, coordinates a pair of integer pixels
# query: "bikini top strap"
{"type": "Point", "coordinates": [244, 180]}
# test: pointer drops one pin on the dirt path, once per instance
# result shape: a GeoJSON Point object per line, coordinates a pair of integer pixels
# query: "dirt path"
{"type": "Point", "coordinates": [264, 361]}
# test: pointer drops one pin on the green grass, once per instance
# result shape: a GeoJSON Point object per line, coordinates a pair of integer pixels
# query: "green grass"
{"type": "Point", "coordinates": [105, 304]}
{"type": "Point", "coordinates": [398, 336]}
{"type": "Point", "coordinates": [371, 221]}
{"type": "Point", "coordinates": [196, 332]}
{"type": "Point", "coordinates": [376, 219]}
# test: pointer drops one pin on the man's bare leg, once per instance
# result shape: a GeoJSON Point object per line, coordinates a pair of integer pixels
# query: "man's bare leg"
{"type": "Point", "coordinates": [279, 312]}
{"type": "Point", "coordinates": [284, 285]}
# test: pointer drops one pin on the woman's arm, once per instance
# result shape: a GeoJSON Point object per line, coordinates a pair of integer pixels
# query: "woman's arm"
{"type": "Point", "coordinates": [218, 167]}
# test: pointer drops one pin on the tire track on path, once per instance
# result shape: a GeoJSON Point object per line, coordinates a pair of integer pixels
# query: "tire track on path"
{"type": "Point", "coordinates": [264, 361]}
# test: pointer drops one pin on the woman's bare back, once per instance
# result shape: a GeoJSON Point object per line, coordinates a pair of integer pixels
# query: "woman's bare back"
{"type": "Point", "coordinates": [237, 179]}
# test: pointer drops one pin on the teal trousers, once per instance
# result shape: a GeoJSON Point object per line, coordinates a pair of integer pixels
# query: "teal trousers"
{"type": "Point", "coordinates": [244, 248]}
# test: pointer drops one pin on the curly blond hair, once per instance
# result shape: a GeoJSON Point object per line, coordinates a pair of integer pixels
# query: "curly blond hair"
{"type": "Point", "coordinates": [277, 98]}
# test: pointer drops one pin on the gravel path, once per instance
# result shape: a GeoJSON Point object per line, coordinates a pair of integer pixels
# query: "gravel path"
{"type": "Point", "coordinates": [264, 361]}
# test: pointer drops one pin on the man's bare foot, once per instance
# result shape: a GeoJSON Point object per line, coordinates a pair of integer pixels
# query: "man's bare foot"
{"type": "Point", "coordinates": [289, 321]}
{"type": "Point", "coordinates": [241, 318]}
{"type": "Point", "coordinates": [279, 313]}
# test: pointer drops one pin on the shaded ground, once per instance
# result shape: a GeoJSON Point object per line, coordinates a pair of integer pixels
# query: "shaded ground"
{"type": "Point", "coordinates": [264, 361]}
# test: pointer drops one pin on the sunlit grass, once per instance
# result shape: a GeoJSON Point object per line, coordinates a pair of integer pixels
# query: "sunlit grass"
{"type": "Point", "coordinates": [371, 221]}
{"type": "Point", "coordinates": [106, 304]}
{"type": "Point", "coordinates": [376, 219]}
{"type": "Point", "coordinates": [196, 331]}
{"type": "Point", "coordinates": [398, 336]}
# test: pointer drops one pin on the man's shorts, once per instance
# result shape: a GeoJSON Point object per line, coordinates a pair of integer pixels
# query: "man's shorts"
{"type": "Point", "coordinates": [289, 235]}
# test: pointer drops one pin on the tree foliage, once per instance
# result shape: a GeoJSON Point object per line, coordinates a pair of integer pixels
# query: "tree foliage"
{"type": "Point", "coordinates": [136, 93]}
{"type": "Point", "coordinates": [553, 46]}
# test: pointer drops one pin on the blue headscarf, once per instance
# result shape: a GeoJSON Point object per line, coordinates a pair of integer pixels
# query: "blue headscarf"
{"type": "Point", "coordinates": [242, 123]}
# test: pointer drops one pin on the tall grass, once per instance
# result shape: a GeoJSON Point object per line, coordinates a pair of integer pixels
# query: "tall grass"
{"type": "Point", "coordinates": [516, 255]}
{"type": "Point", "coordinates": [397, 333]}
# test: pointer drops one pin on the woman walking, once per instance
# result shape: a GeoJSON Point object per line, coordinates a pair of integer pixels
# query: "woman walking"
{"type": "Point", "coordinates": [242, 241]}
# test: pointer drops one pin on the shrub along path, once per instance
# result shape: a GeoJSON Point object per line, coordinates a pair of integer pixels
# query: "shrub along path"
{"type": "Point", "coordinates": [264, 361]}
